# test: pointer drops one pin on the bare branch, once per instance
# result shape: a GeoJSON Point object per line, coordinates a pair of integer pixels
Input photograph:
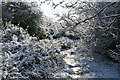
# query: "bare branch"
{"type": "Point", "coordinates": [116, 15]}
{"type": "Point", "coordinates": [95, 14]}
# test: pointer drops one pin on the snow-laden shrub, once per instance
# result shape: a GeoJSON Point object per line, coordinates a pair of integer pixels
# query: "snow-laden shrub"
{"type": "Point", "coordinates": [25, 57]}
{"type": "Point", "coordinates": [25, 15]}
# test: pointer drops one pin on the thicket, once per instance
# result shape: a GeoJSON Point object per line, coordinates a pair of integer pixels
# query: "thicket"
{"type": "Point", "coordinates": [25, 14]}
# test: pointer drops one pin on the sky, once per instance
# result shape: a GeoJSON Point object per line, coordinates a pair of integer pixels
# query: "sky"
{"type": "Point", "coordinates": [49, 11]}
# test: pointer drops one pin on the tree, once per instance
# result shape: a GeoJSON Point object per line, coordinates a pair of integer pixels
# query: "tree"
{"type": "Point", "coordinates": [96, 23]}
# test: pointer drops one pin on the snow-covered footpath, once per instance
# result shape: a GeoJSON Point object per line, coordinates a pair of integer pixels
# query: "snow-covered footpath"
{"type": "Point", "coordinates": [23, 56]}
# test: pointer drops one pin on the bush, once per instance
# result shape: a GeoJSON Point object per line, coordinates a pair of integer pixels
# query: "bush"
{"type": "Point", "coordinates": [25, 15]}
{"type": "Point", "coordinates": [26, 58]}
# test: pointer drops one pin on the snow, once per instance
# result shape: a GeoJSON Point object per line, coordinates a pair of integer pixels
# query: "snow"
{"type": "Point", "coordinates": [50, 59]}
{"type": "Point", "coordinates": [24, 56]}
{"type": "Point", "coordinates": [86, 66]}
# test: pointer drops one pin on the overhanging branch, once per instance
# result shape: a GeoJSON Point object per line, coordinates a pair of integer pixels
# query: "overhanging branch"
{"type": "Point", "coordinates": [95, 14]}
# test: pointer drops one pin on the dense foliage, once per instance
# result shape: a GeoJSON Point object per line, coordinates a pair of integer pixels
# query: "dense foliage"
{"type": "Point", "coordinates": [25, 15]}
